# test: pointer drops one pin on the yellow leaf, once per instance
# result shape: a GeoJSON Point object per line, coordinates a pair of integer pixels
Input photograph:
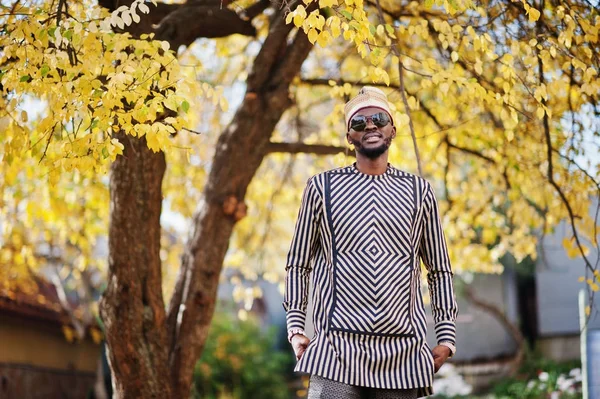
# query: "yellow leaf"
{"type": "Point", "coordinates": [312, 35]}
{"type": "Point", "coordinates": [540, 112]}
{"type": "Point", "coordinates": [323, 39]}
{"type": "Point", "coordinates": [479, 67]}
{"type": "Point", "coordinates": [444, 87]}
{"type": "Point", "coordinates": [298, 20]}
{"type": "Point", "coordinates": [488, 236]}
{"type": "Point", "coordinates": [97, 335]}
{"type": "Point", "coordinates": [327, 3]}
{"type": "Point", "coordinates": [534, 14]}
{"type": "Point", "coordinates": [152, 141]}
{"type": "Point", "coordinates": [69, 333]}
{"type": "Point", "coordinates": [402, 119]}
{"type": "Point", "coordinates": [412, 103]}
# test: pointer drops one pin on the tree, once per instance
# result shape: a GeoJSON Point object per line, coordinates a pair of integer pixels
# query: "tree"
{"type": "Point", "coordinates": [495, 100]}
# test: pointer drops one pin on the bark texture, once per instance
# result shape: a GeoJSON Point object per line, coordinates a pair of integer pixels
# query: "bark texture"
{"type": "Point", "coordinates": [302, 148]}
{"type": "Point", "coordinates": [132, 307]}
{"type": "Point", "coordinates": [152, 352]}
{"type": "Point", "coordinates": [182, 24]}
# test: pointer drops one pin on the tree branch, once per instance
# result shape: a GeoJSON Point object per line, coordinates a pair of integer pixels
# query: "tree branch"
{"type": "Point", "coordinates": [340, 82]}
{"type": "Point", "coordinates": [302, 148]}
{"type": "Point", "coordinates": [403, 91]}
{"type": "Point", "coordinates": [470, 151]}
{"type": "Point", "coordinates": [182, 24]}
{"type": "Point", "coordinates": [550, 176]}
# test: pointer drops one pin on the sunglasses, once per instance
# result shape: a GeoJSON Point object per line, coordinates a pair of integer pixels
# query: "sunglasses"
{"type": "Point", "coordinates": [359, 122]}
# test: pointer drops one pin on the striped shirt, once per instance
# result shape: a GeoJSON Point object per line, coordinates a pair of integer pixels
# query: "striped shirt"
{"type": "Point", "coordinates": [361, 236]}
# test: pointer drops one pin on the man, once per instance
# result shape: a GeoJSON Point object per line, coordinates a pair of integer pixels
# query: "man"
{"type": "Point", "coordinates": [361, 231]}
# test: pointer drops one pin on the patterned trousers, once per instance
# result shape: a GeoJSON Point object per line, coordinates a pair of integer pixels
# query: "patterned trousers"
{"type": "Point", "coordinates": [322, 388]}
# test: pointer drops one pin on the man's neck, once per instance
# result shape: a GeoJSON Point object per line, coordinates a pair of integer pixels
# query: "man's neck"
{"type": "Point", "coordinates": [368, 166]}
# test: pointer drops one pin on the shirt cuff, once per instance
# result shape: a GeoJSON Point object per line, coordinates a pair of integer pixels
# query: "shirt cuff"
{"type": "Point", "coordinates": [445, 331]}
{"type": "Point", "coordinates": [295, 331]}
{"type": "Point", "coordinates": [450, 346]}
{"type": "Point", "coordinates": [295, 319]}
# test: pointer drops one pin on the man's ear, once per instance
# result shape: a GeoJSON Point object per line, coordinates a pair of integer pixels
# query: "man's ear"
{"type": "Point", "coordinates": [393, 132]}
{"type": "Point", "coordinates": [348, 139]}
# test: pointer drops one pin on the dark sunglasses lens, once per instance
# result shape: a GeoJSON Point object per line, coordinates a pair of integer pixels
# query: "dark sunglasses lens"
{"type": "Point", "coordinates": [358, 123]}
{"type": "Point", "coordinates": [381, 119]}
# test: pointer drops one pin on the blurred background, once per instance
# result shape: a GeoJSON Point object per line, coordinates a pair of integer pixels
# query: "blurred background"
{"type": "Point", "coordinates": [495, 103]}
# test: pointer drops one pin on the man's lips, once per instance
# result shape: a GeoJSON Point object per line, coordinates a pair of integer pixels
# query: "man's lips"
{"type": "Point", "coordinates": [372, 137]}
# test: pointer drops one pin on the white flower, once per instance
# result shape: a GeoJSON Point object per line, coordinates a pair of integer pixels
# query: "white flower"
{"type": "Point", "coordinates": [450, 382]}
{"type": "Point", "coordinates": [531, 384]}
{"type": "Point", "coordinates": [555, 395]}
{"type": "Point", "coordinates": [576, 374]}
{"type": "Point", "coordinates": [543, 376]}
{"type": "Point", "coordinates": [564, 383]}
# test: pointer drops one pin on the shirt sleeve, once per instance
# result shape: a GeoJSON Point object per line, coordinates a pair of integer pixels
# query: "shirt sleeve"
{"type": "Point", "coordinates": [434, 253]}
{"type": "Point", "coordinates": [299, 258]}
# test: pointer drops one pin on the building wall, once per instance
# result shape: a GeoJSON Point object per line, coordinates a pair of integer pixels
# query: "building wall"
{"type": "Point", "coordinates": [558, 286]}
{"type": "Point", "coordinates": [479, 336]}
{"type": "Point", "coordinates": [30, 382]}
{"type": "Point", "coordinates": [39, 344]}
{"type": "Point", "coordinates": [36, 361]}
{"type": "Point", "coordinates": [560, 348]}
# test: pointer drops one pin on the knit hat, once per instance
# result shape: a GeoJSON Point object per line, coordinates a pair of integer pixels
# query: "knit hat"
{"type": "Point", "coordinates": [368, 96]}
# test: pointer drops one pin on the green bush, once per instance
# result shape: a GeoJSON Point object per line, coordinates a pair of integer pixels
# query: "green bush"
{"type": "Point", "coordinates": [542, 378]}
{"type": "Point", "coordinates": [240, 361]}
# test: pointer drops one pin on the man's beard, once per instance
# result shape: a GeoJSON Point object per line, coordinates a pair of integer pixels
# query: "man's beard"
{"type": "Point", "coordinates": [372, 153]}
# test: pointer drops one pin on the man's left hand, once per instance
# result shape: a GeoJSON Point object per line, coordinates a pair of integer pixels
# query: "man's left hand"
{"type": "Point", "coordinates": [440, 355]}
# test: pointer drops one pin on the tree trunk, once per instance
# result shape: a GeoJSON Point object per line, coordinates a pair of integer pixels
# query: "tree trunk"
{"type": "Point", "coordinates": [239, 152]}
{"type": "Point", "coordinates": [132, 306]}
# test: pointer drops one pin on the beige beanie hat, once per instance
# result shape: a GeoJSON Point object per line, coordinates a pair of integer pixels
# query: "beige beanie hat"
{"type": "Point", "coordinates": [368, 96]}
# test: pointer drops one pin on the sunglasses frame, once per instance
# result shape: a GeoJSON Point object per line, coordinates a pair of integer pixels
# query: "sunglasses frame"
{"type": "Point", "coordinates": [375, 119]}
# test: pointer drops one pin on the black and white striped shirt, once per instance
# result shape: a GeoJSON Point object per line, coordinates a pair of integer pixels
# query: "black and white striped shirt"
{"type": "Point", "coordinates": [362, 236]}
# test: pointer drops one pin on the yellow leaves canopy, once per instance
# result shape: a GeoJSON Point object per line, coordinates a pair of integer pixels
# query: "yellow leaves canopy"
{"type": "Point", "coordinates": [492, 93]}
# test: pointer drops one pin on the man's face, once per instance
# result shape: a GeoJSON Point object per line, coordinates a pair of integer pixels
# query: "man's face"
{"type": "Point", "coordinates": [373, 141]}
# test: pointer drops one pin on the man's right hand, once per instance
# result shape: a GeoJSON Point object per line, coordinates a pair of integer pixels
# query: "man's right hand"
{"type": "Point", "coordinates": [299, 344]}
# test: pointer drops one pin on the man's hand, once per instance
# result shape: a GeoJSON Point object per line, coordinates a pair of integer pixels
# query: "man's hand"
{"type": "Point", "coordinates": [440, 355]}
{"type": "Point", "coordinates": [299, 344]}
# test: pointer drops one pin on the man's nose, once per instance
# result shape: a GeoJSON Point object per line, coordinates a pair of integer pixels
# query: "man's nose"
{"type": "Point", "coordinates": [370, 124]}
